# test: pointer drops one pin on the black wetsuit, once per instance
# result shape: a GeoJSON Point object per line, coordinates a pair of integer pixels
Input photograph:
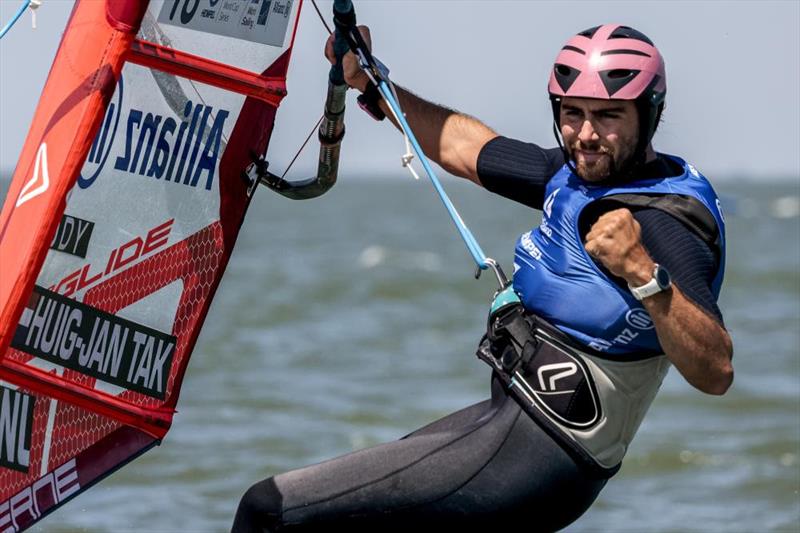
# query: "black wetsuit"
{"type": "Point", "coordinates": [489, 465]}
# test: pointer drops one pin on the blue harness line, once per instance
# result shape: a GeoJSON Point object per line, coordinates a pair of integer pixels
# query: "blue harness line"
{"type": "Point", "coordinates": [345, 20]}
{"type": "Point", "coordinates": [469, 239]}
{"type": "Point", "coordinates": [15, 18]}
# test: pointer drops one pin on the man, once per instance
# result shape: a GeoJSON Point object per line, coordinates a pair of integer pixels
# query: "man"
{"type": "Point", "coordinates": [619, 280]}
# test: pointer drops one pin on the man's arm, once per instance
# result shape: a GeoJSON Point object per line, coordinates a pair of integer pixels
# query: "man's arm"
{"type": "Point", "coordinates": [451, 139]}
{"type": "Point", "coordinates": [693, 340]}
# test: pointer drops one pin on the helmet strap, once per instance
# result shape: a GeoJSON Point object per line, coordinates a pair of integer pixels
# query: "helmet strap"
{"type": "Point", "coordinates": [567, 159]}
{"type": "Point", "coordinates": [555, 101]}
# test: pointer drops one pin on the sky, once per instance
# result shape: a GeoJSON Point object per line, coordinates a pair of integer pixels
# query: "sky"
{"type": "Point", "coordinates": [733, 70]}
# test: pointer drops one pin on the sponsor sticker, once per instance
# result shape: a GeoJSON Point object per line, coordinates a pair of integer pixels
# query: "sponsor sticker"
{"type": "Point", "coordinates": [124, 255]}
{"type": "Point", "coordinates": [181, 149]}
{"type": "Point", "coordinates": [158, 147]}
{"type": "Point", "coordinates": [256, 21]}
{"type": "Point", "coordinates": [73, 236]}
{"type": "Point", "coordinates": [16, 426]}
{"type": "Point", "coordinates": [101, 147]}
{"type": "Point", "coordinates": [95, 343]}
{"type": "Point", "coordinates": [29, 504]}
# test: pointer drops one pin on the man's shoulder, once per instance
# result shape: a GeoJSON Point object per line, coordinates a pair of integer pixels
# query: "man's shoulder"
{"type": "Point", "coordinates": [507, 151]}
{"type": "Point", "coordinates": [517, 170]}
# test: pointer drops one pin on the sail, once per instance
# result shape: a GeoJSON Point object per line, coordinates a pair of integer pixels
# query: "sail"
{"type": "Point", "coordinates": [119, 222]}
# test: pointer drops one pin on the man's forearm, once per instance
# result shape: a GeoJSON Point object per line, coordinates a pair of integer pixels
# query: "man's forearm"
{"type": "Point", "coordinates": [695, 343]}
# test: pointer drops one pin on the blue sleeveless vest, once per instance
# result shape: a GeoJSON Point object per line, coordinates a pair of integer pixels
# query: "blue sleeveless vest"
{"type": "Point", "coordinates": [556, 279]}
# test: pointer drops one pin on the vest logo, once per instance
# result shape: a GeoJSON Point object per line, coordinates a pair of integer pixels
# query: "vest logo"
{"type": "Point", "coordinates": [544, 227]}
{"type": "Point", "coordinates": [528, 245]}
{"type": "Point", "coordinates": [184, 151]}
{"type": "Point", "coordinates": [639, 319]}
{"type": "Point", "coordinates": [16, 427]}
{"type": "Point", "coordinates": [548, 204]}
{"type": "Point", "coordinates": [40, 181]}
{"type": "Point", "coordinates": [103, 141]}
{"type": "Point", "coordinates": [600, 345]}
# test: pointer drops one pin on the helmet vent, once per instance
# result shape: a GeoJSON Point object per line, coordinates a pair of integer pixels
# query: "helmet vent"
{"type": "Point", "coordinates": [574, 49]}
{"type": "Point", "coordinates": [616, 79]}
{"type": "Point", "coordinates": [619, 73]}
{"type": "Point", "coordinates": [565, 76]}
{"type": "Point", "coordinates": [624, 51]}
{"type": "Point", "coordinates": [625, 32]}
{"type": "Point", "coordinates": [589, 33]}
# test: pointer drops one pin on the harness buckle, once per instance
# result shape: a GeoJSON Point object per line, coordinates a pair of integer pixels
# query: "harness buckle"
{"type": "Point", "coordinates": [509, 335]}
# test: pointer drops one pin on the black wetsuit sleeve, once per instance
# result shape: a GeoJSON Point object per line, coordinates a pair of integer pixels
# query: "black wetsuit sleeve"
{"type": "Point", "coordinates": [689, 260]}
{"type": "Point", "coordinates": [518, 170]}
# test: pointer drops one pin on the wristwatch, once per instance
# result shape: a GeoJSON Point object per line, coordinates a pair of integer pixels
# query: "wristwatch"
{"type": "Point", "coordinates": [661, 281]}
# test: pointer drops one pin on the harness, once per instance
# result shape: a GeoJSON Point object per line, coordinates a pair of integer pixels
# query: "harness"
{"type": "Point", "coordinates": [566, 388]}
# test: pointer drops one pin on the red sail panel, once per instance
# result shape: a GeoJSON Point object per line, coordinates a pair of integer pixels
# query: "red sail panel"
{"type": "Point", "coordinates": [73, 102]}
{"type": "Point", "coordinates": [117, 228]}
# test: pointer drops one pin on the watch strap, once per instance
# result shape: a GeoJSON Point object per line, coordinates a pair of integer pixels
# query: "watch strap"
{"type": "Point", "coordinates": [369, 102]}
{"type": "Point", "coordinates": [648, 289]}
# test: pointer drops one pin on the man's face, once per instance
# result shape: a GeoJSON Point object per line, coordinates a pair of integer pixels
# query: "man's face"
{"type": "Point", "coordinates": [599, 135]}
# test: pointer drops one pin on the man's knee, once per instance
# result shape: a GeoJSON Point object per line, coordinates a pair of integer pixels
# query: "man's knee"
{"type": "Point", "coordinates": [259, 509]}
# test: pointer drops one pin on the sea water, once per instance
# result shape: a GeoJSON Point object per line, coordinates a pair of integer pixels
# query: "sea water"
{"type": "Point", "coordinates": [351, 320]}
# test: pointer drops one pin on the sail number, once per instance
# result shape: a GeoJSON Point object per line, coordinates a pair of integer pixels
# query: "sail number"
{"type": "Point", "coordinates": [187, 11]}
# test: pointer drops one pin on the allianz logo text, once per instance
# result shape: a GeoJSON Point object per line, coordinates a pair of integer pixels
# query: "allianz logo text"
{"type": "Point", "coordinates": [160, 147]}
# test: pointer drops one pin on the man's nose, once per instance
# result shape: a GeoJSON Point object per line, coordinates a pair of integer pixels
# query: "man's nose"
{"type": "Point", "coordinates": [588, 133]}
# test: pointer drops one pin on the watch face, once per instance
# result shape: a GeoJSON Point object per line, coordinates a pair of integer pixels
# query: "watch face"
{"type": "Point", "coordinates": [662, 277]}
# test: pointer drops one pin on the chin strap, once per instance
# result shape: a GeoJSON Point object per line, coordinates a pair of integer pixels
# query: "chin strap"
{"type": "Point", "coordinates": [567, 159]}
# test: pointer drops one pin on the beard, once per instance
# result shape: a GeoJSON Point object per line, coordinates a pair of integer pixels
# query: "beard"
{"type": "Point", "coordinates": [607, 166]}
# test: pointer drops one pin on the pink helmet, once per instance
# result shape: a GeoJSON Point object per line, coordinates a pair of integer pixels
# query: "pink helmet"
{"type": "Point", "coordinates": [612, 62]}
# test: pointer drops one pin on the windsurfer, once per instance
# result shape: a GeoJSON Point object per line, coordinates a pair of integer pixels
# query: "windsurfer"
{"type": "Point", "coordinates": [619, 281]}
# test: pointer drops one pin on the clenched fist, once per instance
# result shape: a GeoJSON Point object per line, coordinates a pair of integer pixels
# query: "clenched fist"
{"type": "Point", "coordinates": [615, 241]}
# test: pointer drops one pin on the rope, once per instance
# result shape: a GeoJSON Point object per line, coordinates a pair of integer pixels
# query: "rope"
{"type": "Point", "coordinates": [322, 19]}
{"type": "Point", "coordinates": [304, 145]}
{"type": "Point", "coordinates": [407, 157]}
{"type": "Point", "coordinates": [34, 5]}
{"type": "Point", "coordinates": [474, 248]}
{"type": "Point", "coordinates": [314, 3]}
{"type": "Point", "coordinates": [18, 14]}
